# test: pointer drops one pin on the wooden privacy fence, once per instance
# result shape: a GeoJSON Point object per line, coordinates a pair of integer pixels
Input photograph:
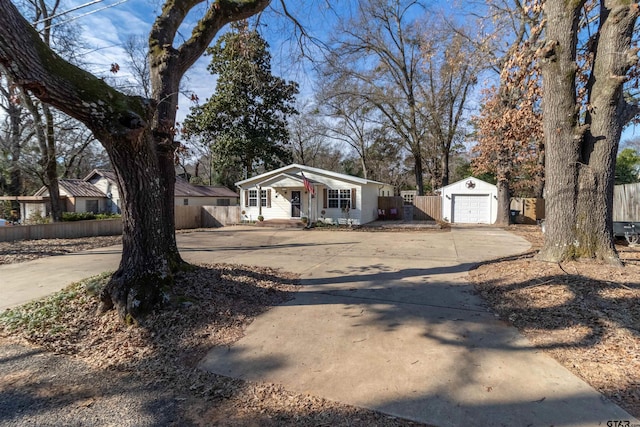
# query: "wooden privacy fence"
{"type": "Point", "coordinates": [626, 202]}
{"type": "Point", "coordinates": [425, 208]}
{"type": "Point", "coordinates": [62, 230]}
{"type": "Point", "coordinates": [388, 203]}
{"type": "Point", "coordinates": [186, 217]}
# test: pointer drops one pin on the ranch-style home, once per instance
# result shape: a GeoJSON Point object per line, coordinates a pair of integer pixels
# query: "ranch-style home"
{"type": "Point", "coordinates": [296, 191]}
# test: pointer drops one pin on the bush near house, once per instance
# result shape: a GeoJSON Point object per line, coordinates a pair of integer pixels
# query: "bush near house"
{"type": "Point", "coordinates": [84, 216]}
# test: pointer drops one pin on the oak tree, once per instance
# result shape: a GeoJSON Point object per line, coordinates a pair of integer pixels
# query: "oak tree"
{"type": "Point", "coordinates": [136, 132]}
{"type": "Point", "coordinates": [581, 139]}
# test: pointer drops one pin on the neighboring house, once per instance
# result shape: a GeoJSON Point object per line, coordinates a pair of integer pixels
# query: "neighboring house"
{"type": "Point", "coordinates": [185, 193]}
{"type": "Point", "coordinates": [98, 192]}
{"type": "Point", "coordinates": [107, 183]}
{"type": "Point", "coordinates": [79, 196]}
{"type": "Point", "coordinates": [297, 191]}
{"type": "Point", "coordinates": [204, 195]}
{"type": "Point", "coordinates": [469, 201]}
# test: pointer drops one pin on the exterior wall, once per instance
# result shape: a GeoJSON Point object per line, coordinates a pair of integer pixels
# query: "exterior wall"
{"type": "Point", "coordinates": [112, 205]}
{"type": "Point", "coordinates": [369, 202]}
{"type": "Point", "coordinates": [282, 184]}
{"type": "Point", "coordinates": [460, 188]}
{"type": "Point", "coordinates": [280, 204]}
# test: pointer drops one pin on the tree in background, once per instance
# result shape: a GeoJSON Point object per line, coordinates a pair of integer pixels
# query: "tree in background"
{"type": "Point", "coordinates": [376, 57]}
{"type": "Point", "coordinates": [353, 122]}
{"type": "Point", "coordinates": [13, 134]}
{"type": "Point", "coordinates": [245, 120]}
{"type": "Point", "coordinates": [508, 146]}
{"type": "Point", "coordinates": [451, 66]}
{"type": "Point", "coordinates": [628, 167]}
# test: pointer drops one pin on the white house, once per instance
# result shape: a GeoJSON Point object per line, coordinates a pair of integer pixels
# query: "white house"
{"type": "Point", "coordinates": [297, 191]}
{"type": "Point", "coordinates": [470, 201]}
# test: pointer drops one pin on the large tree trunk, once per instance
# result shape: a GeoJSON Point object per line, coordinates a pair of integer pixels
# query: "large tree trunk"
{"type": "Point", "coordinates": [150, 255]}
{"type": "Point", "coordinates": [581, 160]}
{"type": "Point", "coordinates": [562, 133]}
{"type": "Point", "coordinates": [605, 118]}
{"type": "Point", "coordinates": [504, 200]}
{"type": "Point", "coordinates": [137, 134]}
{"type": "Point", "coordinates": [444, 165]}
{"type": "Point", "coordinates": [417, 170]}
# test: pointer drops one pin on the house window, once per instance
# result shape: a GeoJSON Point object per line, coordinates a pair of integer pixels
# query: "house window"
{"type": "Point", "coordinates": [185, 202]}
{"type": "Point", "coordinates": [253, 198]}
{"type": "Point", "coordinates": [339, 198]}
{"type": "Point", "coordinates": [91, 206]}
{"type": "Point", "coordinates": [223, 202]}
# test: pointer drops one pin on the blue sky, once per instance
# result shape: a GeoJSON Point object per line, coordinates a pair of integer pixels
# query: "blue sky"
{"type": "Point", "coordinates": [105, 32]}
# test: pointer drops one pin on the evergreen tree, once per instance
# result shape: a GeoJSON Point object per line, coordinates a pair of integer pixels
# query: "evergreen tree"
{"type": "Point", "coordinates": [245, 120]}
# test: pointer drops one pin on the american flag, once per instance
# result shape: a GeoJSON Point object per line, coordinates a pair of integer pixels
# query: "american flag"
{"type": "Point", "coordinates": [307, 185]}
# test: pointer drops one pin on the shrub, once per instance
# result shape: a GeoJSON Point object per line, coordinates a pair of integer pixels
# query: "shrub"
{"type": "Point", "coordinates": [108, 215]}
{"type": "Point", "coordinates": [36, 217]}
{"type": "Point", "coordinates": [78, 216]}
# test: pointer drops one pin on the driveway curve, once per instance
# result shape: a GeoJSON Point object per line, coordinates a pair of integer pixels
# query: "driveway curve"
{"type": "Point", "coordinates": [384, 320]}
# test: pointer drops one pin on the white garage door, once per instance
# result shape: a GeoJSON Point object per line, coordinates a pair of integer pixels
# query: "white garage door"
{"type": "Point", "coordinates": [475, 209]}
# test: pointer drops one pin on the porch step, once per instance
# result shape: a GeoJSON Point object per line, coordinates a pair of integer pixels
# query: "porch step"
{"type": "Point", "coordinates": [281, 223]}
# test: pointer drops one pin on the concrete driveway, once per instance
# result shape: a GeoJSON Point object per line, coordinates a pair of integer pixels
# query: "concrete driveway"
{"type": "Point", "coordinates": [385, 320]}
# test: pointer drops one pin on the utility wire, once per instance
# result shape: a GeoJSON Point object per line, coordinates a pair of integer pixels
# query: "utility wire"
{"type": "Point", "coordinates": [67, 11]}
{"type": "Point", "coordinates": [85, 14]}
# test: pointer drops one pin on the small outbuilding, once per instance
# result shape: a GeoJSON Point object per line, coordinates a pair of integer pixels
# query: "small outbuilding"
{"type": "Point", "coordinates": [470, 201]}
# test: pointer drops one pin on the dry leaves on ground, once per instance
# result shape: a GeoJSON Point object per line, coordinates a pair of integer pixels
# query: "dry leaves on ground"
{"type": "Point", "coordinates": [212, 306]}
{"type": "Point", "coordinates": [27, 250]}
{"type": "Point", "coordinates": [584, 314]}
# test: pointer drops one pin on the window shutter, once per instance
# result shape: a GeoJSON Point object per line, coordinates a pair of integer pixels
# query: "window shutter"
{"type": "Point", "coordinates": [325, 198]}
{"type": "Point", "coordinates": [246, 198]}
{"type": "Point", "coordinates": [353, 198]}
{"type": "Point", "coordinates": [268, 197]}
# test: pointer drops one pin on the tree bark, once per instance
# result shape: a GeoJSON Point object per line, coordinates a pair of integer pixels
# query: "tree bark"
{"type": "Point", "coordinates": [580, 160]}
{"type": "Point", "coordinates": [137, 134]}
{"type": "Point", "coordinates": [605, 119]}
{"type": "Point", "coordinates": [562, 132]}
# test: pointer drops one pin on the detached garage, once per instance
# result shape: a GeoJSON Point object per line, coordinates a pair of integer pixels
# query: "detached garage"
{"type": "Point", "coordinates": [470, 201]}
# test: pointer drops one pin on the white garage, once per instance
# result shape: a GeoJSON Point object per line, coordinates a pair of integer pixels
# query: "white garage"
{"type": "Point", "coordinates": [470, 201]}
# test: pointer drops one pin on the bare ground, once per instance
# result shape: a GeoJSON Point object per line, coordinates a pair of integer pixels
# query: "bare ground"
{"type": "Point", "coordinates": [88, 370]}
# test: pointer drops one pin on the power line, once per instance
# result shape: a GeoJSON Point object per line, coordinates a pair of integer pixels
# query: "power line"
{"type": "Point", "coordinates": [85, 14]}
{"type": "Point", "coordinates": [67, 11]}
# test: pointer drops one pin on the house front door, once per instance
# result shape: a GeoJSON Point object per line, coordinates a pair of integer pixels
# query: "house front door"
{"type": "Point", "coordinates": [295, 204]}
